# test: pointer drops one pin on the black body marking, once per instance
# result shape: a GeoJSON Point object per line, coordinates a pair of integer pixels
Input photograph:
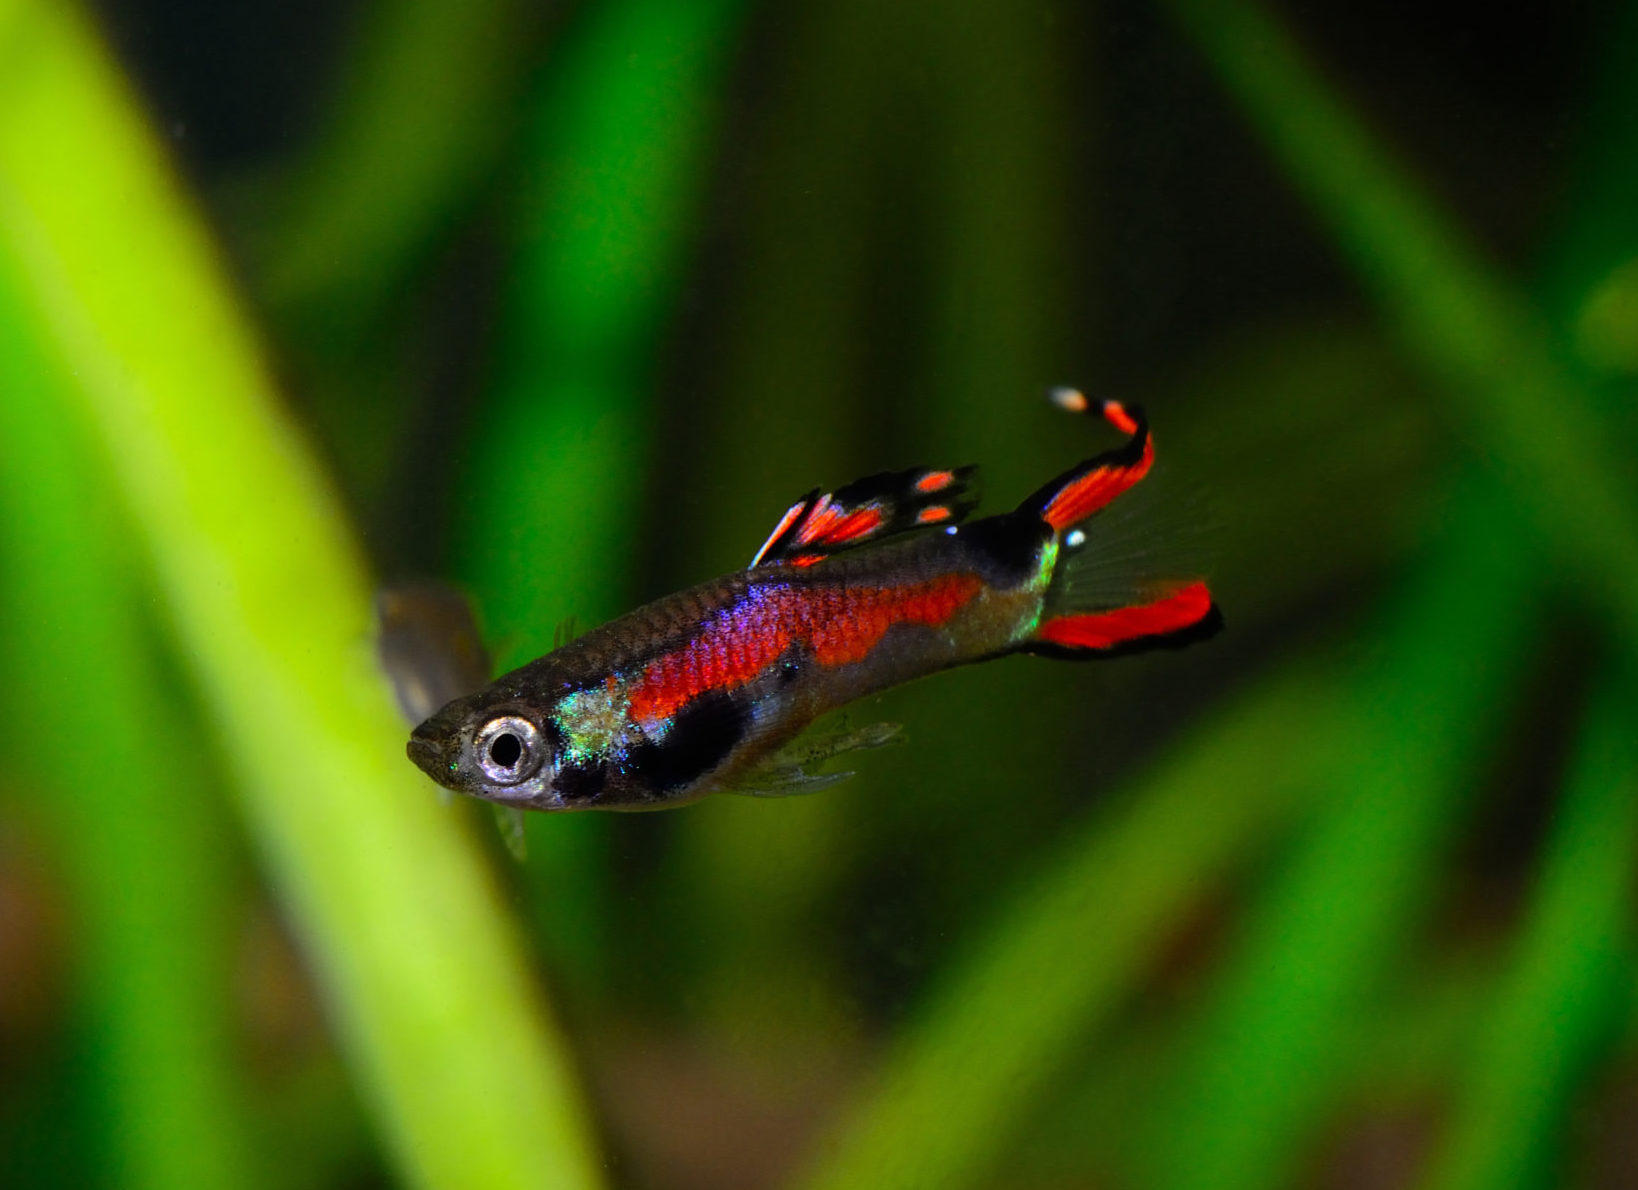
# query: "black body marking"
{"type": "Point", "coordinates": [1008, 547]}
{"type": "Point", "coordinates": [699, 739]}
{"type": "Point", "coordinates": [578, 782]}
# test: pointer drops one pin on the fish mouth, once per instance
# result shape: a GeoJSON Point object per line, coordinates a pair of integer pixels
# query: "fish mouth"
{"type": "Point", "coordinates": [427, 756]}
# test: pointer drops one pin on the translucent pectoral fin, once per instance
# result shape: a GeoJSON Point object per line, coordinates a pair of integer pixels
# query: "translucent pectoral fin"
{"type": "Point", "coordinates": [787, 773]}
{"type": "Point", "coordinates": [509, 821]}
{"type": "Point", "coordinates": [789, 781]}
{"type": "Point", "coordinates": [837, 738]}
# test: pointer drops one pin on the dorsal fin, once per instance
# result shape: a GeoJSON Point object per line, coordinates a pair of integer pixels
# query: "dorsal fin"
{"type": "Point", "coordinates": [822, 523]}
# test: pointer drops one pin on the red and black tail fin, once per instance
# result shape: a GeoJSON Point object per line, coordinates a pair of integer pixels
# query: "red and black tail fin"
{"type": "Point", "coordinates": [1079, 494]}
{"type": "Point", "coordinates": [1098, 604]}
{"type": "Point", "coordinates": [1157, 618]}
{"type": "Point", "coordinates": [821, 524]}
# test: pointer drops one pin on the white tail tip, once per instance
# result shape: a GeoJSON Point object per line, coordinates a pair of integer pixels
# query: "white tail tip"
{"type": "Point", "coordinates": [1071, 399]}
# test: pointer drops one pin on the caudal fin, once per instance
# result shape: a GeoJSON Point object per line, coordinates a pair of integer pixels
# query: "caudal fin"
{"type": "Point", "coordinates": [1101, 602]}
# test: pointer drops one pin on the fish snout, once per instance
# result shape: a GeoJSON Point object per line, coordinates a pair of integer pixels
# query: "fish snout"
{"type": "Point", "coordinates": [429, 753]}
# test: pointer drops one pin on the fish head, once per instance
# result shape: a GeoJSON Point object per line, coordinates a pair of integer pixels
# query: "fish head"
{"type": "Point", "coordinates": [502, 752]}
{"type": "Point", "coordinates": [577, 746]}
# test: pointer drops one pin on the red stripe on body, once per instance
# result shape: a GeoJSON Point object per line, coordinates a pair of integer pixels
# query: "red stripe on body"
{"type": "Point", "coordinates": [935, 481]}
{"type": "Point", "coordinates": [1104, 630]}
{"type": "Point", "coordinates": [850, 635]}
{"type": "Point", "coordinates": [839, 625]}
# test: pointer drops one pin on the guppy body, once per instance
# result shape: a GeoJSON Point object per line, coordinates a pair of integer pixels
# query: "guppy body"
{"type": "Point", "coordinates": [856, 591]}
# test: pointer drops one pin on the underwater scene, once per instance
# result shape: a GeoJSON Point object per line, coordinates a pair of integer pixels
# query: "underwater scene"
{"type": "Point", "coordinates": [1103, 536]}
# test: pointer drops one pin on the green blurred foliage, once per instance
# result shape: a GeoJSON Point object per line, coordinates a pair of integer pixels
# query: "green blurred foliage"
{"type": "Point", "coordinates": [565, 306]}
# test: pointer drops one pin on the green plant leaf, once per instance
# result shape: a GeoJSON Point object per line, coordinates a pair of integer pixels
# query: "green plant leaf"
{"type": "Point", "coordinates": [1566, 1000]}
{"type": "Point", "coordinates": [270, 606]}
{"type": "Point", "coordinates": [1487, 351]}
{"type": "Point", "coordinates": [142, 836]}
{"type": "Point", "coordinates": [1068, 947]}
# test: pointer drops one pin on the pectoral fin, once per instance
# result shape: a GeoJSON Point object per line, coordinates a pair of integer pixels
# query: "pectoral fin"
{"type": "Point", "coordinates": [787, 773]}
{"type": "Point", "coordinates": [509, 821]}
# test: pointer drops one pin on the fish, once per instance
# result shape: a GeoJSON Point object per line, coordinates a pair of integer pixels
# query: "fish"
{"type": "Point", "coordinates": [429, 646]}
{"type": "Point", "coordinates": [714, 689]}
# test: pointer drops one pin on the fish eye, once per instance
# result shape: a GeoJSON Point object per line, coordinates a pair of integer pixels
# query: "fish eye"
{"type": "Point", "coordinates": [509, 749]}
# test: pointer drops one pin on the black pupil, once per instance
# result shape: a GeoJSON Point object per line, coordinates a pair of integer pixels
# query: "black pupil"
{"type": "Point", "coordinates": [506, 750]}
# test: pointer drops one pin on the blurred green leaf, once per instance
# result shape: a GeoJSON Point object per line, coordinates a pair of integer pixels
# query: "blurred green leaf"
{"type": "Point", "coordinates": [615, 159]}
{"type": "Point", "coordinates": [1069, 948]}
{"type": "Point", "coordinates": [112, 762]}
{"type": "Point", "coordinates": [1564, 1003]}
{"type": "Point", "coordinates": [1327, 929]}
{"type": "Point", "coordinates": [270, 606]}
{"type": "Point", "coordinates": [1594, 237]}
{"type": "Point", "coordinates": [425, 102]}
{"type": "Point", "coordinates": [1489, 353]}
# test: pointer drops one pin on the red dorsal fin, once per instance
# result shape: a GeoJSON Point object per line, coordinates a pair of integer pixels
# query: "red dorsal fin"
{"type": "Point", "coordinates": [821, 524]}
